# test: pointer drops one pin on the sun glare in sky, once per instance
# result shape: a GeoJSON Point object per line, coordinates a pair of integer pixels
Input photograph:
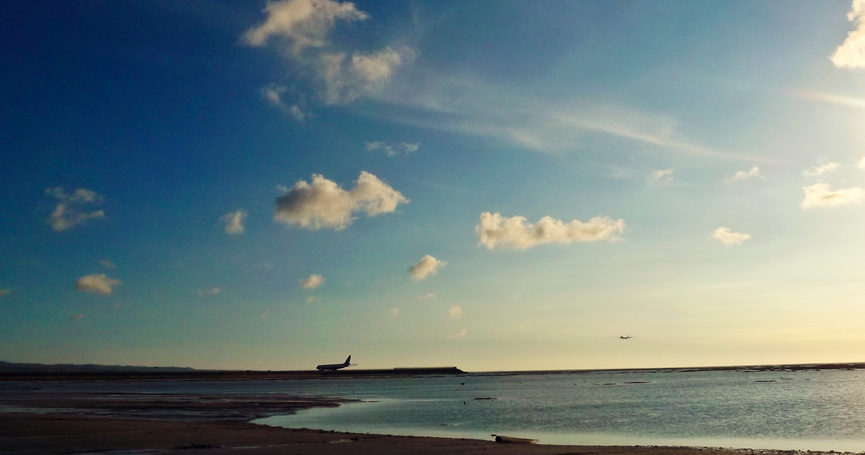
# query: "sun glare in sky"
{"type": "Point", "coordinates": [491, 185]}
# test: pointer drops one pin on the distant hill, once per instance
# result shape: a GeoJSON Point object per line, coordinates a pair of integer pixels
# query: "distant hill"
{"type": "Point", "coordinates": [9, 367]}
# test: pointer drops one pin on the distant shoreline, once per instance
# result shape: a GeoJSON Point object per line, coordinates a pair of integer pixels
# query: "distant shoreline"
{"type": "Point", "coordinates": [19, 372]}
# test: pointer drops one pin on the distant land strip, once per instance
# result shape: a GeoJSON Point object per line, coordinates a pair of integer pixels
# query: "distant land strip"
{"type": "Point", "coordinates": [30, 372]}
{"type": "Point", "coordinates": [66, 372]}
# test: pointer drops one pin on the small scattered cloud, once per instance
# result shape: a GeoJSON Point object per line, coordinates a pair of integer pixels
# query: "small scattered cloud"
{"type": "Point", "coordinates": [312, 282]}
{"type": "Point", "coordinates": [323, 204]}
{"type": "Point", "coordinates": [851, 53]}
{"type": "Point", "coordinates": [745, 175]}
{"type": "Point", "coordinates": [105, 263]}
{"type": "Point", "coordinates": [70, 209]}
{"type": "Point", "coordinates": [517, 297]}
{"type": "Point", "coordinates": [820, 195]}
{"type": "Point", "coordinates": [427, 266]}
{"type": "Point", "coordinates": [661, 176]}
{"type": "Point", "coordinates": [515, 232]}
{"type": "Point", "coordinates": [394, 312]}
{"type": "Point", "coordinates": [429, 296]}
{"type": "Point", "coordinates": [264, 314]}
{"type": "Point", "coordinates": [76, 317]}
{"type": "Point", "coordinates": [302, 27]}
{"type": "Point", "coordinates": [347, 79]}
{"type": "Point", "coordinates": [455, 312]}
{"type": "Point", "coordinates": [276, 94]}
{"type": "Point", "coordinates": [458, 335]}
{"type": "Point", "coordinates": [206, 292]}
{"type": "Point", "coordinates": [5, 292]}
{"type": "Point", "coordinates": [234, 222]}
{"type": "Point", "coordinates": [816, 171]}
{"type": "Point", "coordinates": [727, 237]}
{"type": "Point", "coordinates": [302, 23]}
{"type": "Point", "coordinates": [402, 148]}
{"type": "Point", "coordinates": [98, 283]}
{"type": "Point", "coordinates": [310, 299]}
{"type": "Point", "coordinates": [861, 164]}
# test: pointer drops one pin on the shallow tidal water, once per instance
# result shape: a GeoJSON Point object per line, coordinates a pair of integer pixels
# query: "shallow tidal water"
{"type": "Point", "coordinates": [805, 410]}
{"type": "Point", "coordinates": [801, 410]}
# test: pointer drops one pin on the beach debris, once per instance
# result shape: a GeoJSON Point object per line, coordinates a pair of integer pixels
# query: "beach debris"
{"type": "Point", "coordinates": [511, 440]}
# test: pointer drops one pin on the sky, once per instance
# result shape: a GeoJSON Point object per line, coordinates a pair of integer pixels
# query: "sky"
{"type": "Point", "coordinates": [494, 186]}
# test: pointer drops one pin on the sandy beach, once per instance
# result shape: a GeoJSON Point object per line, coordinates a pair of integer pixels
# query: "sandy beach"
{"type": "Point", "coordinates": [37, 423]}
{"type": "Point", "coordinates": [51, 433]}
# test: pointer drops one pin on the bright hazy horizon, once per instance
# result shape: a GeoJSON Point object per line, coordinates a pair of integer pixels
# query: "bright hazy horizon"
{"type": "Point", "coordinates": [490, 185]}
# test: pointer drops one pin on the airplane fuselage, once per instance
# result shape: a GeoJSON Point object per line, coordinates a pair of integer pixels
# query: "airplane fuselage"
{"type": "Point", "coordinates": [334, 366]}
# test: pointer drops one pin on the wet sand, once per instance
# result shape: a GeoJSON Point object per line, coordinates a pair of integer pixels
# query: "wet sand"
{"type": "Point", "coordinates": [50, 433]}
{"type": "Point", "coordinates": [36, 421]}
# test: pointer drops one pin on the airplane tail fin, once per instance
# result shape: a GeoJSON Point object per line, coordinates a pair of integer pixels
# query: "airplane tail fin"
{"type": "Point", "coordinates": [347, 361]}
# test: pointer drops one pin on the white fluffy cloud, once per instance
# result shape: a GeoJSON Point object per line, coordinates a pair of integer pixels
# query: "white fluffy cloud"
{"type": "Point", "coordinates": [312, 282]}
{"type": "Point", "coordinates": [851, 53]}
{"type": "Point", "coordinates": [323, 204]}
{"type": "Point", "coordinates": [69, 211]}
{"type": "Point", "coordinates": [107, 264]}
{"type": "Point", "coordinates": [861, 164]}
{"type": "Point", "coordinates": [429, 296]}
{"type": "Point", "coordinates": [347, 79]}
{"type": "Point", "coordinates": [455, 312]}
{"type": "Point", "coordinates": [427, 266]}
{"type": "Point", "coordinates": [744, 175]}
{"type": "Point", "coordinates": [234, 222]}
{"type": "Point", "coordinates": [402, 148]}
{"type": "Point", "coordinates": [459, 334]}
{"type": "Point", "coordinates": [816, 171]}
{"type": "Point", "coordinates": [98, 283]}
{"type": "Point", "coordinates": [514, 232]}
{"type": "Point", "coordinates": [205, 292]}
{"type": "Point", "coordinates": [820, 195]}
{"type": "Point", "coordinates": [303, 23]}
{"type": "Point", "coordinates": [727, 237]}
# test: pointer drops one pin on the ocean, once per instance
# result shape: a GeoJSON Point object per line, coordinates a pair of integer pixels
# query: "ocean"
{"type": "Point", "coordinates": [789, 410]}
{"type": "Point", "coordinates": [805, 410]}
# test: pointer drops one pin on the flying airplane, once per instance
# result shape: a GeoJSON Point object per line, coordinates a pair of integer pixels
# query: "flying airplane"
{"type": "Point", "coordinates": [625, 337]}
{"type": "Point", "coordinates": [336, 366]}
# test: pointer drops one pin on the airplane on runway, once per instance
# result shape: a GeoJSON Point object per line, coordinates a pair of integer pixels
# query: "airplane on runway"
{"type": "Point", "coordinates": [336, 366]}
{"type": "Point", "coordinates": [625, 337]}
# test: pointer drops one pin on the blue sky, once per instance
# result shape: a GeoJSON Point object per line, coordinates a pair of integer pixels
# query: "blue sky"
{"type": "Point", "coordinates": [496, 186]}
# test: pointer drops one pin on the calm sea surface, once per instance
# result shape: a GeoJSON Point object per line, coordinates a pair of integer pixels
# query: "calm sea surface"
{"type": "Point", "coordinates": [807, 410]}
{"type": "Point", "coordinates": [813, 410]}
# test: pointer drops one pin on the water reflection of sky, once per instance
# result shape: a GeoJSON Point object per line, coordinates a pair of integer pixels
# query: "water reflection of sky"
{"type": "Point", "coordinates": [805, 410]}
{"type": "Point", "coordinates": [779, 410]}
